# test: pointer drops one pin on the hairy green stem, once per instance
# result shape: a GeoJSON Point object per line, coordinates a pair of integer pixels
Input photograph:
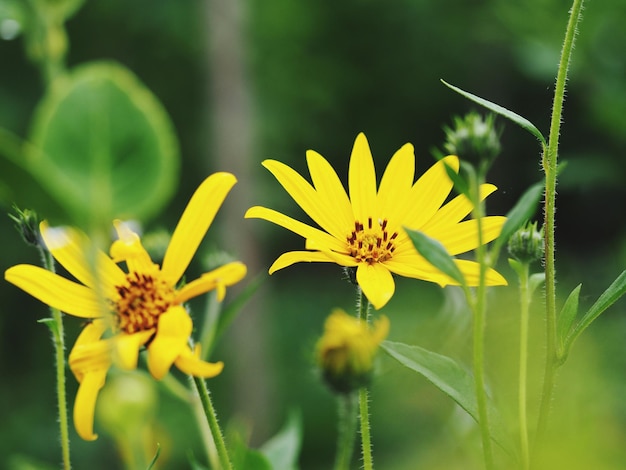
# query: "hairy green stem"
{"type": "Point", "coordinates": [479, 307]}
{"type": "Point", "coordinates": [550, 169]}
{"type": "Point", "coordinates": [58, 339]}
{"type": "Point", "coordinates": [523, 364]}
{"type": "Point", "coordinates": [216, 432]}
{"type": "Point", "coordinates": [366, 440]}
{"type": "Point", "coordinates": [347, 430]}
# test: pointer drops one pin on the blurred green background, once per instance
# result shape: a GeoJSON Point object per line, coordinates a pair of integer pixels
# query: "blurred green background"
{"type": "Point", "coordinates": [248, 80]}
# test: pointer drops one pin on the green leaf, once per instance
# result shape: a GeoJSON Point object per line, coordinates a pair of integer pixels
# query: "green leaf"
{"type": "Point", "coordinates": [106, 147]}
{"type": "Point", "coordinates": [523, 210]}
{"type": "Point", "coordinates": [608, 298]}
{"type": "Point", "coordinates": [534, 281]}
{"type": "Point", "coordinates": [246, 458]}
{"type": "Point", "coordinates": [565, 321]}
{"type": "Point", "coordinates": [283, 450]}
{"type": "Point", "coordinates": [156, 456]}
{"type": "Point", "coordinates": [516, 118]}
{"type": "Point", "coordinates": [460, 183]}
{"type": "Point", "coordinates": [436, 254]}
{"type": "Point", "coordinates": [449, 377]}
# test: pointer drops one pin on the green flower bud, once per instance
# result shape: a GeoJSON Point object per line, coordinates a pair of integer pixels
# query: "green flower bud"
{"type": "Point", "coordinates": [527, 244]}
{"type": "Point", "coordinates": [474, 139]}
{"type": "Point", "coordinates": [27, 224]}
{"type": "Point", "coordinates": [345, 353]}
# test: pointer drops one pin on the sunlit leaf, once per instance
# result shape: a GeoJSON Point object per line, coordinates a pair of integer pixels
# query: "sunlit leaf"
{"type": "Point", "coordinates": [436, 254]}
{"type": "Point", "coordinates": [105, 146]}
{"type": "Point", "coordinates": [516, 118]}
{"type": "Point", "coordinates": [451, 378]}
{"type": "Point", "coordinates": [608, 298]}
{"type": "Point", "coordinates": [566, 319]}
{"type": "Point", "coordinates": [283, 450]}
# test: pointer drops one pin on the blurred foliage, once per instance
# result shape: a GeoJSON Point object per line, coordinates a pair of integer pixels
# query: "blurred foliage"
{"type": "Point", "coordinates": [321, 72]}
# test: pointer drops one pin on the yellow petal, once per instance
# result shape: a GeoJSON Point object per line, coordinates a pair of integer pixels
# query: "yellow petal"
{"type": "Point", "coordinates": [416, 267]}
{"type": "Point", "coordinates": [191, 364]}
{"type": "Point", "coordinates": [173, 332]}
{"type": "Point", "coordinates": [194, 223]}
{"type": "Point", "coordinates": [463, 237]}
{"type": "Point", "coordinates": [456, 210]}
{"type": "Point", "coordinates": [72, 249]}
{"type": "Point", "coordinates": [321, 238]}
{"type": "Point", "coordinates": [329, 188]}
{"type": "Point", "coordinates": [127, 347]}
{"type": "Point", "coordinates": [55, 290]}
{"type": "Point", "coordinates": [292, 257]}
{"type": "Point", "coordinates": [128, 248]}
{"type": "Point", "coordinates": [396, 183]}
{"type": "Point", "coordinates": [306, 197]}
{"type": "Point", "coordinates": [90, 352]}
{"type": "Point", "coordinates": [428, 194]}
{"type": "Point", "coordinates": [376, 283]}
{"type": "Point", "coordinates": [471, 271]}
{"type": "Point", "coordinates": [362, 180]}
{"type": "Point", "coordinates": [219, 278]}
{"type": "Point", "coordinates": [85, 403]}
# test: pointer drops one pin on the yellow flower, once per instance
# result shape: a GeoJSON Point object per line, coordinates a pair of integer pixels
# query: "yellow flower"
{"type": "Point", "coordinates": [365, 229]}
{"type": "Point", "coordinates": [346, 351]}
{"type": "Point", "coordinates": [130, 310]}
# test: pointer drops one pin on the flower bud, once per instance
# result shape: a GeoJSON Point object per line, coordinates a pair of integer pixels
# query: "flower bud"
{"type": "Point", "coordinates": [474, 139]}
{"type": "Point", "coordinates": [345, 353]}
{"type": "Point", "coordinates": [27, 224]}
{"type": "Point", "coordinates": [526, 244]}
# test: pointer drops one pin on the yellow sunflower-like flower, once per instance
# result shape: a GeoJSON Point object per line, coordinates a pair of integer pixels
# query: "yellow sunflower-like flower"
{"type": "Point", "coordinates": [365, 229]}
{"type": "Point", "coordinates": [130, 310]}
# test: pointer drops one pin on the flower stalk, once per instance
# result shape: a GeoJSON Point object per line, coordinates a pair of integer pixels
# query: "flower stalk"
{"type": "Point", "coordinates": [363, 306]}
{"type": "Point", "coordinates": [550, 169]}
{"type": "Point", "coordinates": [347, 430]}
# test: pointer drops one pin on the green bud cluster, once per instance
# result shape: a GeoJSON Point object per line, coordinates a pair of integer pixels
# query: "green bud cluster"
{"type": "Point", "coordinates": [527, 244]}
{"type": "Point", "coordinates": [27, 224]}
{"type": "Point", "coordinates": [474, 139]}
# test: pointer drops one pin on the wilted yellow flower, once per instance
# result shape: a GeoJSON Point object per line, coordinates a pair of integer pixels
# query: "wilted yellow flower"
{"type": "Point", "coordinates": [346, 351]}
{"type": "Point", "coordinates": [130, 310]}
{"type": "Point", "coordinates": [365, 230]}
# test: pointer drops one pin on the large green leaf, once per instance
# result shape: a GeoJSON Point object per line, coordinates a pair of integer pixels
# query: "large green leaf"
{"type": "Point", "coordinates": [106, 147]}
{"type": "Point", "coordinates": [283, 450]}
{"type": "Point", "coordinates": [451, 378]}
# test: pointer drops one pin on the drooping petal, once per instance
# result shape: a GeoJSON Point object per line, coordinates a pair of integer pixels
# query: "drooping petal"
{"type": "Point", "coordinates": [128, 248]}
{"type": "Point", "coordinates": [463, 237]}
{"type": "Point", "coordinates": [55, 290]}
{"type": "Point", "coordinates": [90, 352]}
{"type": "Point", "coordinates": [330, 190]}
{"type": "Point", "coordinates": [456, 210]}
{"type": "Point", "coordinates": [362, 180]}
{"type": "Point", "coordinates": [376, 282]}
{"type": "Point", "coordinates": [71, 248]}
{"type": "Point", "coordinates": [428, 194]}
{"type": "Point", "coordinates": [173, 332]}
{"type": "Point", "coordinates": [194, 223]}
{"type": "Point", "coordinates": [191, 364]}
{"type": "Point", "coordinates": [305, 231]}
{"type": "Point", "coordinates": [223, 276]}
{"type": "Point", "coordinates": [306, 197]}
{"type": "Point", "coordinates": [292, 257]}
{"type": "Point", "coordinates": [85, 403]}
{"type": "Point", "coordinates": [126, 348]}
{"type": "Point", "coordinates": [396, 183]}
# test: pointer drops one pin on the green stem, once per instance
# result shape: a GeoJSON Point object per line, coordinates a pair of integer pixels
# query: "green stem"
{"type": "Point", "coordinates": [479, 305]}
{"type": "Point", "coordinates": [550, 169]}
{"type": "Point", "coordinates": [366, 440]}
{"type": "Point", "coordinates": [58, 339]}
{"type": "Point", "coordinates": [209, 411]}
{"type": "Point", "coordinates": [523, 364]}
{"type": "Point", "coordinates": [347, 430]}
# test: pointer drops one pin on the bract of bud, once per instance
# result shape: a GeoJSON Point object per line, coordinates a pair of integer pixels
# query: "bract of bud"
{"type": "Point", "coordinates": [527, 243]}
{"type": "Point", "coordinates": [346, 351]}
{"type": "Point", "coordinates": [474, 139]}
{"type": "Point", "coordinates": [27, 224]}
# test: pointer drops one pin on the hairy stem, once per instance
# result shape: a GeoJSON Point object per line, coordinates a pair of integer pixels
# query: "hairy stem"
{"type": "Point", "coordinates": [366, 444]}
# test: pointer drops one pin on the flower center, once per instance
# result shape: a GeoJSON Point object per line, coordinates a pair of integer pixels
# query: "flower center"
{"type": "Point", "coordinates": [141, 300]}
{"type": "Point", "coordinates": [371, 244]}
